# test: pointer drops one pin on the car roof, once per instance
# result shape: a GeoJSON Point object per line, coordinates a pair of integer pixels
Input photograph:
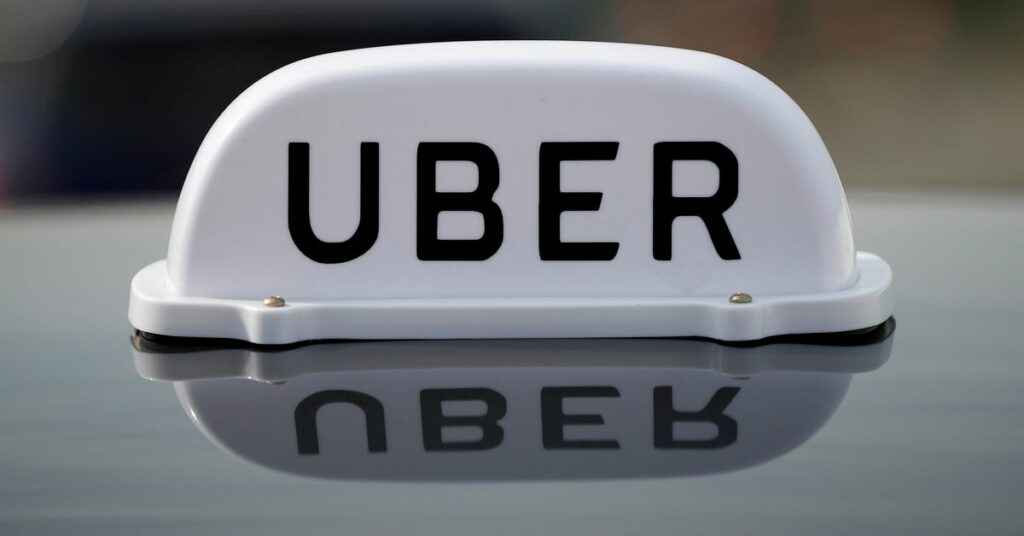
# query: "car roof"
{"type": "Point", "coordinates": [924, 439]}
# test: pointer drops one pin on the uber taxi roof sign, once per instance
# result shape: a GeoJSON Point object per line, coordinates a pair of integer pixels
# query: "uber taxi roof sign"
{"type": "Point", "coordinates": [506, 190]}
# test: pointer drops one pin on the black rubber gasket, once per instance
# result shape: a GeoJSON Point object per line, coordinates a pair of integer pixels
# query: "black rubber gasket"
{"type": "Point", "coordinates": [166, 344]}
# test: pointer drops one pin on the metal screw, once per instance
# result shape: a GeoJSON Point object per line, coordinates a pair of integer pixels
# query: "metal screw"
{"type": "Point", "coordinates": [737, 297]}
{"type": "Point", "coordinates": [273, 301]}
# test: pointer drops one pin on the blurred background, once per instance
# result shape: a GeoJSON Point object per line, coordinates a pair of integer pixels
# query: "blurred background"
{"type": "Point", "coordinates": [106, 98]}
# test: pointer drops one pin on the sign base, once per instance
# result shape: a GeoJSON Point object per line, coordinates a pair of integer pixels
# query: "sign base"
{"type": "Point", "coordinates": [153, 309]}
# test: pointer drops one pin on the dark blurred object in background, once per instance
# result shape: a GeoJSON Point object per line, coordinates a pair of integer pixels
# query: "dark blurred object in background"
{"type": "Point", "coordinates": [123, 104]}
{"type": "Point", "coordinates": [113, 96]}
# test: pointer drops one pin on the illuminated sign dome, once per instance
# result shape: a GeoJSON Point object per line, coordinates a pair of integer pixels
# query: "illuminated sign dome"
{"type": "Point", "coordinates": [511, 189]}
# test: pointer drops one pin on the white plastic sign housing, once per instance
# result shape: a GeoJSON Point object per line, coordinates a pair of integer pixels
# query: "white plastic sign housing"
{"type": "Point", "coordinates": [511, 189]}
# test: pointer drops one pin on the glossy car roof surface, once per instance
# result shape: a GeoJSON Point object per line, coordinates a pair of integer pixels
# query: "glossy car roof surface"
{"type": "Point", "coordinates": [929, 442]}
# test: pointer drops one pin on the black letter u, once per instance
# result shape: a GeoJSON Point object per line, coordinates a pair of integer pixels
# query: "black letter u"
{"type": "Point", "coordinates": [299, 224]}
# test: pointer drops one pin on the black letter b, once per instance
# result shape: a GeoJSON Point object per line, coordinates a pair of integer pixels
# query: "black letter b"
{"type": "Point", "coordinates": [430, 202]}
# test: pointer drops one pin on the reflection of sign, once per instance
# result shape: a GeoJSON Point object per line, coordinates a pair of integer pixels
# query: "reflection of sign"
{"type": "Point", "coordinates": [522, 409]}
{"type": "Point", "coordinates": [511, 190]}
{"type": "Point", "coordinates": [513, 423]}
{"type": "Point", "coordinates": [553, 419]}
